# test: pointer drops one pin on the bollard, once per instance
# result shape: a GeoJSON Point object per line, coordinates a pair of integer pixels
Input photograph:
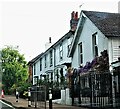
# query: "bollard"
{"type": "Point", "coordinates": [29, 95]}
{"type": "Point", "coordinates": [2, 94]}
{"type": "Point", "coordinates": [17, 95]}
{"type": "Point", "coordinates": [50, 99]}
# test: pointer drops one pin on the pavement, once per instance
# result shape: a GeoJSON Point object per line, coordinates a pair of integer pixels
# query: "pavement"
{"type": "Point", "coordinates": [23, 104]}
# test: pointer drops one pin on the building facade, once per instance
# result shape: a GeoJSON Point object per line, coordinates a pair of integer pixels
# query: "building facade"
{"type": "Point", "coordinates": [96, 33]}
{"type": "Point", "coordinates": [53, 63]}
{"type": "Point", "coordinates": [95, 48]}
{"type": "Point", "coordinates": [92, 44]}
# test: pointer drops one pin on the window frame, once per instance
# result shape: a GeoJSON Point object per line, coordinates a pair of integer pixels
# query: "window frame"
{"type": "Point", "coordinates": [80, 53]}
{"type": "Point", "coordinates": [61, 52]}
{"type": "Point", "coordinates": [34, 70]}
{"type": "Point", "coordinates": [40, 64]}
{"type": "Point", "coordinates": [45, 61]}
{"type": "Point", "coordinates": [69, 45]}
{"type": "Point", "coordinates": [95, 44]}
{"type": "Point", "coordinates": [54, 57]}
{"type": "Point", "coordinates": [51, 58]}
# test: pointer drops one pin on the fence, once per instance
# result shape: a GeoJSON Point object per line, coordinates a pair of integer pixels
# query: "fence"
{"type": "Point", "coordinates": [96, 90]}
{"type": "Point", "coordinates": [38, 96]}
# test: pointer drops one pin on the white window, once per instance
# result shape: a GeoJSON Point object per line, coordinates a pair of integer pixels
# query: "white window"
{"type": "Point", "coordinates": [61, 52]}
{"type": "Point", "coordinates": [115, 49]}
{"type": "Point", "coordinates": [80, 53]}
{"type": "Point", "coordinates": [95, 44]}
{"type": "Point", "coordinates": [34, 70]}
{"type": "Point", "coordinates": [69, 45]}
{"type": "Point", "coordinates": [51, 58]}
{"type": "Point", "coordinates": [41, 64]}
{"type": "Point", "coordinates": [36, 79]}
{"type": "Point", "coordinates": [45, 61]}
{"type": "Point", "coordinates": [55, 57]}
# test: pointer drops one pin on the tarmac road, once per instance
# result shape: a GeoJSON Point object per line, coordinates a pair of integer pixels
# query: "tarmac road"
{"type": "Point", "coordinates": [4, 105]}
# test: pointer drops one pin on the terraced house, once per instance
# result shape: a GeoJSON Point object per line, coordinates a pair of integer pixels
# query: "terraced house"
{"type": "Point", "coordinates": [53, 63]}
{"type": "Point", "coordinates": [88, 56]}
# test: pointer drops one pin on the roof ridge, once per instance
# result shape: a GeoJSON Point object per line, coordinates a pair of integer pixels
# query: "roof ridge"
{"type": "Point", "coordinates": [100, 12]}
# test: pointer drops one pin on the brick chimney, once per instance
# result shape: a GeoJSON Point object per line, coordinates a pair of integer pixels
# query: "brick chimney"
{"type": "Point", "coordinates": [48, 44]}
{"type": "Point", "coordinates": [74, 21]}
{"type": "Point", "coordinates": [49, 39]}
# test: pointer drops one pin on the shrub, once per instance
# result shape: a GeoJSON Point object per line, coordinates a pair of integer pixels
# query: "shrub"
{"type": "Point", "coordinates": [23, 90]}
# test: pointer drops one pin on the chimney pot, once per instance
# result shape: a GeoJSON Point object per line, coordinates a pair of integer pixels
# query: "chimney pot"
{"type": "Point", "coordinates": [49, 39]}
{"type": "Point", "coordinates": [118, 58]}
{"type": "Point", "coordinates": [76, 15]}
{"type": "Point", "coordinates": [73, 15]}
{"type": "Point", "coordinates": [74, 20]}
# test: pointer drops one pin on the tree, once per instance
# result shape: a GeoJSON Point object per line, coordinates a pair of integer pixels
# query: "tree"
{"type": "Point", "coordinates": [14, 68]}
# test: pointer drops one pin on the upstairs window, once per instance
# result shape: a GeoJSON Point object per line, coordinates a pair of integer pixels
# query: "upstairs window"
{"type": "Point", "coordinates": [61, 52]}
{"type": "Point", "coordinates": [69, 45]}
{"type": "Point", "coordinates": [45, 61]}
{"type": "Point", "coordinates": [34, 70]}
{"type": "Point", "coordinates": [95, 44]}
{"type": "Point", "coordinates": [55, 57]}
{"type": "Point", "coordinates": [80, 53]}
{"type": "Point", "coordinates": [36, 80]}
{"type": "Point", "coordinates": [51, 58]}
{"type": "Point", "coordinates": [41, 64]}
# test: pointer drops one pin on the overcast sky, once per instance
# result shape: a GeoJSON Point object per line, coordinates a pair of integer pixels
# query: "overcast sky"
{"type": "Point", "coordinates": [29, 23]}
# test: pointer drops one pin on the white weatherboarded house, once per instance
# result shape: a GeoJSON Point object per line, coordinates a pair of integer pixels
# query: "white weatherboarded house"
{"type": "Point", "coordinates": [96, 32]}
{"type": "Point", "coordinates": [53, 63]}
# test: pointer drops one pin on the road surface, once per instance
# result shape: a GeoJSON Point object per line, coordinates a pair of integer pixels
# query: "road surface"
{"type": "Point", "coordinates": [4, 105]}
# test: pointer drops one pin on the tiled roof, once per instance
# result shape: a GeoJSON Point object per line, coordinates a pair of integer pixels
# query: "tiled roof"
{"type": "Point", "coordinates": [34, 59]}
{"type": "Point", "coordinates": [68, 34]}
{"type": "Point", "coordinates": [107, 23]}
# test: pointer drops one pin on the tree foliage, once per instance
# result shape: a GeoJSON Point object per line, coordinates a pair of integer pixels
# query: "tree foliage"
{"type": "Point", "coordinates": [14, 68]}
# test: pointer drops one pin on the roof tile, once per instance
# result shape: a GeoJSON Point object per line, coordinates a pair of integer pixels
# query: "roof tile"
{"type": "Point", "coordinates": [108, 23]}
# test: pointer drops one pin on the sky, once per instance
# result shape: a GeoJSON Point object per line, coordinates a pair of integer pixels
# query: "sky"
{"type": "Point", "coordinates": [28, 24]}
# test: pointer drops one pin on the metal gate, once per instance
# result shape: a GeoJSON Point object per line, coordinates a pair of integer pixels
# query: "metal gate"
{"type": "Point", "coordinates": [38, 96]}
{"type": "Point", "coordinates": [101, 89]}
{"type": "Point", "coordinates": [93, 90]}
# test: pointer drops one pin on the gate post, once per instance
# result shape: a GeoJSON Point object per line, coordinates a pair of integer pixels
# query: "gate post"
{"type": "Point", "coordinates": [90, 90]}
{"type": "Point", "coordinates": [113, 88]}
{"type": "Point", "coordinates": [50, 98]}
{"type": "Point", "coordinates": [29, 95]}
{"type": "Point", "coordinates": [36, 96]}
{"type": "Point", "coordinates": [17, 95]}
{"type": "Point", "coordinates": [72, 89]}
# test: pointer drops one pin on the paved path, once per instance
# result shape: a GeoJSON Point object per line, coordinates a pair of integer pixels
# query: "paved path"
{"type": "Point", "coordinates": [23, 104]}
